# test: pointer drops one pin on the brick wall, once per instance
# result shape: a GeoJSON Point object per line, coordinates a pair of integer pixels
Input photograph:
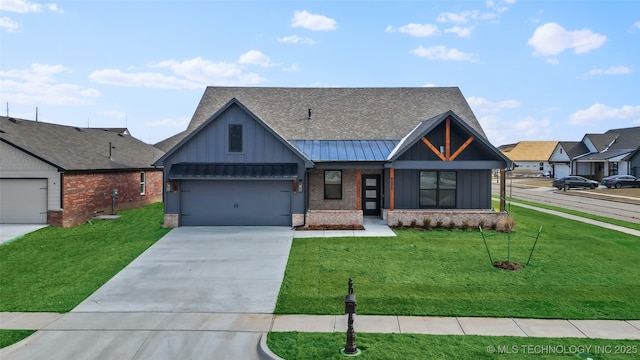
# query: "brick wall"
{"type": "Point", "coordinates": [348, 201]}
{"type": "Point", "coordinates": [472, 217]}
{"type": "Point", "coordinates": [88, 194]}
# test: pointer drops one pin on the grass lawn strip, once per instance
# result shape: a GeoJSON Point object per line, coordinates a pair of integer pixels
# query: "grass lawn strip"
{"type": "Point", "coordinates": [578, 271]}
{"type": "Point", "coordinates": [301, 346]}
{"type": "Point", "coordinates": [54, 269]}
{"type": "Point", "coordinates": [622, 223]}
{"type": "Point", "coordinates": [9, 337]}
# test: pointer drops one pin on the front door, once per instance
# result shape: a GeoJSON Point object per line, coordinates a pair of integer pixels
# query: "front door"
{"type": "Point", "coordinates": [371, 194]}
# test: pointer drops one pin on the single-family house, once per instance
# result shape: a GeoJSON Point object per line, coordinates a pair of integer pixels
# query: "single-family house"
{"type": "Point", "coordinates": [598, 155]}
{"type": "Point", "coordinates": [329, 156]}
{"type": "Point", "coordinates": [530, 157]}
{"type": "Point", "coordinates": [63, 175]}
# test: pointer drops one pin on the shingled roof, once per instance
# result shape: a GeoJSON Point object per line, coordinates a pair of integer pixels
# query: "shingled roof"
{"type": "Point", "coordinates": [531, 150]}
{"type": "Point", "coordinates": [339, 113]}
{"type": "Point", "coordinates": [70, 148]}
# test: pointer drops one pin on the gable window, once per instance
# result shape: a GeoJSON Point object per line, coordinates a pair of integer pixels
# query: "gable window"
{"type": "Point", "coordinates": [541, 166]}
{"type": "Point", "coordinates": [333, 184]}
{"type": "Point", "coordinates": [143, 183]}
{"type": "Point", "coordinates": [235, 138]}
{"type": "Point", "coordinates": [438, 189]}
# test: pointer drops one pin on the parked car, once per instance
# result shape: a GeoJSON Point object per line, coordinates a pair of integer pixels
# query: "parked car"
{"type": "Point", "coordinates": [573, 181]}
{"type": "Point", "coordinates": [619, 181]}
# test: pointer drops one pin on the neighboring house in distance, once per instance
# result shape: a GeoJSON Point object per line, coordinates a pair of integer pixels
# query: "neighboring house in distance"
{"type": "Point", "coordinates": [530, 157]}
{"type": "Point", "coordinates": [600, 155]}
{"type": "Point", "coordinates": [563, 154]}
{"type": "Point", "coordinates": [330, 156]}
{"type": "Point", "coordinates": [633, 161]}
{"type": "Point", "coordinates": [63, 176]}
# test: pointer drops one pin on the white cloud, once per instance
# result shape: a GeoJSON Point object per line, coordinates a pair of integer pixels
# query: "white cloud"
{"type": "Point", "coordinates": [313, 22]}
{"type": "Point", "coordinates": [636, 25]}
{"type": "Point", "coordinates": [553, 61]}
{"type": "Point", "coordinates": [23, 7]}
{"type": "Point", "coordinates": [212, 73]}
{"type": "Point", "coordinates": [295, 39]}
{"type": "Point", "coordinates": [429, 85]}
{"type": "Point", "coordinates": [292, 68]}
{"type": "Point", "coordinates": [8, 24]}
{"type": "Point", "coordinates": [114, 113]}
{"type": "Point", "coordinates": [441, 52]}
{"type": "Point", "coordinates": [255, 57]}
{"type": "Point", "coordinates": [38, 85]}
{"type": "Point", "coordinates": [460, 31]}
{"type": "Point", "coordinates": [142, 79]}
{"type": "Point", "coordinates": [417, 30]}
{"type": "Point", "coordinates": [552, 39]}
{"type": "Point", "coordinates": [600, 112]}
{"type": "Point", "coordinates": [179, 122]}
{"type": "Point", "coordinates": [483, 106]}
{"type": "Point", "coordinates": [614, 70]}
{"type": "Point", "coordinates": [501, 131]}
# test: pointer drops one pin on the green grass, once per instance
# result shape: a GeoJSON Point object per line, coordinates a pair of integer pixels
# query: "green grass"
{"type": "Point", "coordinates": [578, 271]}
{"type": "Point", "coordinates": [54, 269]}
{"type": "Point", "coordinates": [9, 337]}
{"type": "Point", "coordinates": [622, 223]}
{"type": "Point", "coordinates": [301, 346]}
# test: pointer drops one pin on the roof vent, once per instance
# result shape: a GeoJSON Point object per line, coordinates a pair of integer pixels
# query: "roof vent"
{"type": "Point", "coordinates": [78, 129]}
{"type": "Point", "coordinates": [309, 115]}
{"type": "Point", "coordinates": [15, 121]}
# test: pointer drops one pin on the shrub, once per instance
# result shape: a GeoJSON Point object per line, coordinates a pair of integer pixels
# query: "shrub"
{"type": "Point", "coordinates": [465, 224]}
{"type": "Point", "coordinates": [481, 223]}
{"type": "Point", "coordinates": [426, 223]}
{"type": "Point", "coordinates": [414, 223]}
{"type": "Point", "coordinates": [494, 226]}
{"type": "Point", "coordinates": [438, 224]}
{"type": "Point", "coordinates": [399, 223]}
{"type": "Point", "coordinates": [506, 224]}
{"type": "Point", "coordinates": [452, 225]}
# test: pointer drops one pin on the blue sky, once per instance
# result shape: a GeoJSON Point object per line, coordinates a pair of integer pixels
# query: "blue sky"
{"type": "Point", "coordinates": [531, 70]}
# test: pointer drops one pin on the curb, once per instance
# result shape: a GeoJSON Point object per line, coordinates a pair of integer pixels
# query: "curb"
{"type": "Point", "coordinates": [263, 350]}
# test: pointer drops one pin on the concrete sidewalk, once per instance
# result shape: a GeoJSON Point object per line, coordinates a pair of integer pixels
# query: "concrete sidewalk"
{"type": "Point", "coordinates": [373, 227]}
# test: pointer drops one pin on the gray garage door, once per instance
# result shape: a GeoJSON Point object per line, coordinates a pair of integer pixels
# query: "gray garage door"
{"type": "Point", "coordinates": [240, 202]}
{"type": "Point", "coordinates": [23, 201]}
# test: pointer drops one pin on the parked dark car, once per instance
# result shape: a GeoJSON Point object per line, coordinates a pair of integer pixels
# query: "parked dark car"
{"type": "Point", "coordinates": [618, 181]}
{"type": "Point", "coordinates": [573, 181]}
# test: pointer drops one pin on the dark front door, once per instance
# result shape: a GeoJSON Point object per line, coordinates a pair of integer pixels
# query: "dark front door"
{"type": "Point", "coordinates": [371, 194]}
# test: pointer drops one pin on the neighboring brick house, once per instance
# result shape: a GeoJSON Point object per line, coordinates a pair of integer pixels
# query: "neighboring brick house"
{"type": "Point", "coordinates": [63, 176]}
{"type": "Point", "coordinates": [330, 156]}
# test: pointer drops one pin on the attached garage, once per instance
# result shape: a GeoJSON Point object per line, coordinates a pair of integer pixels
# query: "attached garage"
{"type": "Point", "coordinates": [23, 201]}
{"type": "Point", "coordinates": [236, 202]}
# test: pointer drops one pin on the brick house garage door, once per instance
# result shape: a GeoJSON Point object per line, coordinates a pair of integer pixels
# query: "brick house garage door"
{"type": "Point", "coordinates": [235, 202]}
{"type": "Point", "coordinates": [23, 201]}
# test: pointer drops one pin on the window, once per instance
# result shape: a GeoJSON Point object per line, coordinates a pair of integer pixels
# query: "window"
{"type": "Point", "coordinates": [437, 189]}
{"type": "Point", "coordinates": [333, 184]}
{"type": "Point", "coordinates": [541, 166]}
{"type": "Point", "coordinates": [143, 183]}
{"type": "Point", "coordinates": [235, 138]}
{"type": "Point", "coordinates": [613, 168]}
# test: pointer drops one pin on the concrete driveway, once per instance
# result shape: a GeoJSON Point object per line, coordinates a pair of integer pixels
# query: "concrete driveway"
{"type": "Point", "coordinates": [198, 293]}
{"type": "Point", "coordinates": [10, 232]}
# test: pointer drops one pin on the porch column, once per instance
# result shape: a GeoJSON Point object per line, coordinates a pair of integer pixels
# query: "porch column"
{"type": "Point", "coordinates": [392, 194]}
{"type": "Point", "coordinates": [358, 189]}
{"type": "Point", "coordinates": [503, 188]}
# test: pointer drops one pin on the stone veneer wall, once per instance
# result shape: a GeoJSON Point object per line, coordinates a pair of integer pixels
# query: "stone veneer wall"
{"type": "Point", "coordinates": [334, 217]}
{"type": "Point", "coordinates": [472, 217]}
{"type": "Point", "coordinates": [171, 220]}
{"type": "Point", "coordinates": [297, 219]}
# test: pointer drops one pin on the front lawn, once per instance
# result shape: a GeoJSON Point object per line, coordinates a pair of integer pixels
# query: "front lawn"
{"type": "Point", "coordinates": [54, 269]}
{"type": "Point", "coordinates": [301, 346]}
{"type": "Point", "coordinates": [578, 271]}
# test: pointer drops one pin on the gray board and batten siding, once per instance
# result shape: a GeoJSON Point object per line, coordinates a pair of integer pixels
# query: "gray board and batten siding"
{"type": "Point", "coordinates": [216, 199]}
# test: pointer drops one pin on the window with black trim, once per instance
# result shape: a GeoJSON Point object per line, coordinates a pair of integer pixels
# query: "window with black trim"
{"type": "Point", "coordinates": [235, 138]}
{"type": "Point", "coordinates": [333, 184]}
{"type": "Point", "coordinates": [438, 189]}
{"type": "Point", "coordinates": [613, 168]}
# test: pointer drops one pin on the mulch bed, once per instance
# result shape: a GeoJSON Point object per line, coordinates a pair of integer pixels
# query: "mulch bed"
{"type": "Point", "coordinates": [504, 265]}
{"type": "Point", "coordinates": [331, 227]}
